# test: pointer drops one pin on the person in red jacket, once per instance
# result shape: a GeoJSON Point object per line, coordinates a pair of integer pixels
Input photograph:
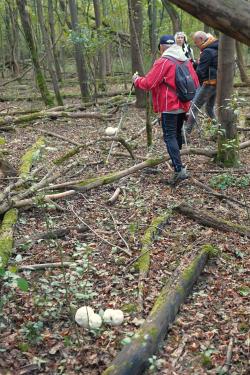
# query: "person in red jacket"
{"type": "Point", "coordinates": [165, 100]}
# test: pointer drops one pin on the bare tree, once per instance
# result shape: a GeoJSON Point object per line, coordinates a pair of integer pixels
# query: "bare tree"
{"type": "Point", "coordinates": [26, 24]}
{"type": "Point", "coordinates": [136, 23]}
{"type": "Point", "coordinates": [173, 14]}
{"type": "Point", "coordinates": [227, 143]}
{"type": "Point", "coordinates": [79, 57]}
{"type": "Point", "coordinates": [101, 53]}
{"type": "Point", "coordinates": [48, 52]}
{"type": "Point", "coordinates": [240, 62]}
{"type": "Point", "coordinates": [152, 16]}
{"type": "Point", "coordinates": [53, 39]}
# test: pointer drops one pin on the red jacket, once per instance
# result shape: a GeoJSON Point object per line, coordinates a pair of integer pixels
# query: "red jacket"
{"type": "Point", "coordinates": [165, 99]}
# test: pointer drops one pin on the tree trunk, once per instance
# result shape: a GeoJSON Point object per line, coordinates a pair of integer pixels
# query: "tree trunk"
{"type": "Point", "coordinates": [174, 16]}
{"type": "Point", "coordinates": [26, 24]}
{"type": "Point", "coordinates": [101, 52]}
{"type": "Point", "coordinates": [53, 39]}
{"type": "Point", "coordinates": [240, 62]}
{"type": "Point", "coordinates": [136, 24]}
{"type": "Point", "coordinates": [12, 29]}
{"type": "Point", "coordinates": [227, 142]}
{"type": "Point", "coordinates": [79, 57]}
{"type": "Point", "coordinates": [152, 16]}
{"type": "Point", "coordinates": [231, 17]}
{"type": "Point", "coordinates": [48, 52]}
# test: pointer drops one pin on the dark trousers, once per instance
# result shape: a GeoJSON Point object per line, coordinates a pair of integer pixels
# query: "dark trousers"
{"type": "Point", "coordinates": [171, 127]}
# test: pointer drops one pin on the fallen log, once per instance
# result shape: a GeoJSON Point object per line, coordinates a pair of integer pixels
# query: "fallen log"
{"type": "Point", "coordinates": [30, 156]}
{"type": "Point", "coordinates": [51, 234]}
{"type": "Point", "coordinates": [143, 262]}
{"type": "Point", "coordinates": [6, 235]}
{"type": "Point", "coordinates": [207, 219]}
{"type": "Point", "coordinates": [218, 195]}
{"type": "Point", "coordinates": [133, 359]}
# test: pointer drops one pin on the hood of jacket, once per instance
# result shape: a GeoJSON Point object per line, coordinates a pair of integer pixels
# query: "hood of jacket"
{"type": "Point", "coordinates": [176, 52]}
{"type": "Point", "coordinates": [211, 42]}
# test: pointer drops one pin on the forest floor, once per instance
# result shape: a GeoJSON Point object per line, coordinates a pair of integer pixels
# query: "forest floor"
{"type": "Point", "coordinates": [37, 330]}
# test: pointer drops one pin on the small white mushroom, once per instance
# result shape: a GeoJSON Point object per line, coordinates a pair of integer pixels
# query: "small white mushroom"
{"type": "Point", "coordinates": [95, 321]}
{"type": "Point", "coordinates": [113, 317]}
{"type": "Point", "coordinates": [83, 315]}
{"type": "Point", "coordinates": [110, 131]}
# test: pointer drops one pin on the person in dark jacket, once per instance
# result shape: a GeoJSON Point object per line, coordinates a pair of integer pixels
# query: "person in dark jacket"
{"type": "Point", "coordinates": [207, 74]}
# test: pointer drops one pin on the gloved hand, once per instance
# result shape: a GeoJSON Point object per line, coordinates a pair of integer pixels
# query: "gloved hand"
{"type": "Point", "coordinates": [135, 76]}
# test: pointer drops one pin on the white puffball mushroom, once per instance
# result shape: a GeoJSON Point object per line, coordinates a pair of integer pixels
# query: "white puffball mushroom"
{"type": "Point", "coordinates": [95, 321]}
{"type": "Point", "coordinates": [83, 315]}
{"type": "Point", "coordinates": [110, 131]}
{"type": "Point", "coordinates": [113, 317]}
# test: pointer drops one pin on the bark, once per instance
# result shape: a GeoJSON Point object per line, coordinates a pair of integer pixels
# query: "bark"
{"type": "Point", "coordinates": [12, 25]}
{"type": "Point", "coordinates": [48, 52]}
{"type": "Point", "coordinates": [26, 24]}
{"type": "Point", "coordinates": [136, 25]}
{"type": "Point", "coordinates": [209, 220]}
{"type": "Point", "coordinates": [53, 39]}
{"type": "Point", "coordinates": [152, 16]}
{"type": "Point", "coordinates": [133, 359]}
{"type": "Point", "coordinates": [174, 16]}
{"type": "Point", "coordinates": [229, 156]}
{"type": "Point", "coordinates": [240, 62]}
{"type": "Point", "coordinates": [101, 52]}
{"type": "Point", "coordinates": [79, 57]}
{"type": "Point", "coordinates": [230, 17]}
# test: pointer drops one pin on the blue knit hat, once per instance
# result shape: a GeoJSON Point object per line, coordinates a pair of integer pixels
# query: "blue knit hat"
{"type": "Point", "coordinates": [166, 39]}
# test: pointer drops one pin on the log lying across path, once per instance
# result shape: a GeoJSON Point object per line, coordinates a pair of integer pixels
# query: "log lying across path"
{"type": "Point", "coordinates": [133, 359]}
{"type": "Point", "coordinates": [209, 220]}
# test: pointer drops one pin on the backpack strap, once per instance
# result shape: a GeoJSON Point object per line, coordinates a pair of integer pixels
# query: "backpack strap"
{"type": "Point", "coordinates": [176, 62]}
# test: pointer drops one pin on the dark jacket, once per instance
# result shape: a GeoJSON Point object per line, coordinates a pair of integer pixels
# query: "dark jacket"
{"type": "Point", "coordinates": [207, 67]}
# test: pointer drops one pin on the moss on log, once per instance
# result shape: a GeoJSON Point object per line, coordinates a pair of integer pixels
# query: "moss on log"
{"type": "Point", "coordinates": [207, 219]}
{"type": "Point", "coordinates": [30, 156]}
{"type": "Point", "coordinates": [6, 235]}
{"type": "Point", "coordinates": [156, 225]}
{"type": "Point", "coordinates": [133, 359]}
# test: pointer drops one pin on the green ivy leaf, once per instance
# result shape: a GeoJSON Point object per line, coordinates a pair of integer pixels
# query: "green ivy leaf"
{"type": "Point", "coordinates": [23, 284]}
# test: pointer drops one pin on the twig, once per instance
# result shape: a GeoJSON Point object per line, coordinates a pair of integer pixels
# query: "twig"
{"type": "Point", "coordinates": [227, 364]}
{"type": "Point", "coordinates": [40, 266]}
{"type": "Point", "coordinates": [114, 197]}
{"type": "Point", "coordinates": [93, 231]}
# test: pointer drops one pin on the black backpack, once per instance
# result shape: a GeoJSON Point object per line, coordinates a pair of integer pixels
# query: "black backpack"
{"type": "Point", "coordinates": [185, 86]}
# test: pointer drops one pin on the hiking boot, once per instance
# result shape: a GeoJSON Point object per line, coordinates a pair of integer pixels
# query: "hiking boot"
{"type": "Point", "coordinates": [178, 177]}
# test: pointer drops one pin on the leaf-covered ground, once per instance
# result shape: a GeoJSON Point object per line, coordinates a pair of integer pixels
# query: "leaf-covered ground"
{"type": "Point", "coordinates": [38, 333]}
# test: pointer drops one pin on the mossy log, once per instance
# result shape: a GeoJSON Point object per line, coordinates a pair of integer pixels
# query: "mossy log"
{"type": "Point", "coordinates": [207, 219]}
{"type": "Point", "coordinates": [30, 156]}
{"type": "Point", "coordinates": [133, 359]}
{"type": "Point", "coordinates": [6, 235]}
{"type": "Point", "coordinates": [7, 120]}
{"type": "Point", "coordinates": [143, 262]}
{"type": "Point", "coordinates": [155, 227]}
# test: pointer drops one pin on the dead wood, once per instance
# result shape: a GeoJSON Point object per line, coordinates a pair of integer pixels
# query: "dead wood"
{"type": "Point", "coordinates": [133, 359]}
{"type": "Point", "coordinates": [207, 219]}
{"type": "Point", "coordinates": [114, 197]}
{"type": "Point", "coordinates": [218, 195]}
{"type": "Point", "coordinates": [41, 266]}
{"type": "Point", "coordinates": [51, 235]}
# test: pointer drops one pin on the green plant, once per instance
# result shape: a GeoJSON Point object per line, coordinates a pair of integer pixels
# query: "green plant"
{"type": "Point", "coordinates": [225, 180]}
{"type": "Point", "coordinates": [32, 332]}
